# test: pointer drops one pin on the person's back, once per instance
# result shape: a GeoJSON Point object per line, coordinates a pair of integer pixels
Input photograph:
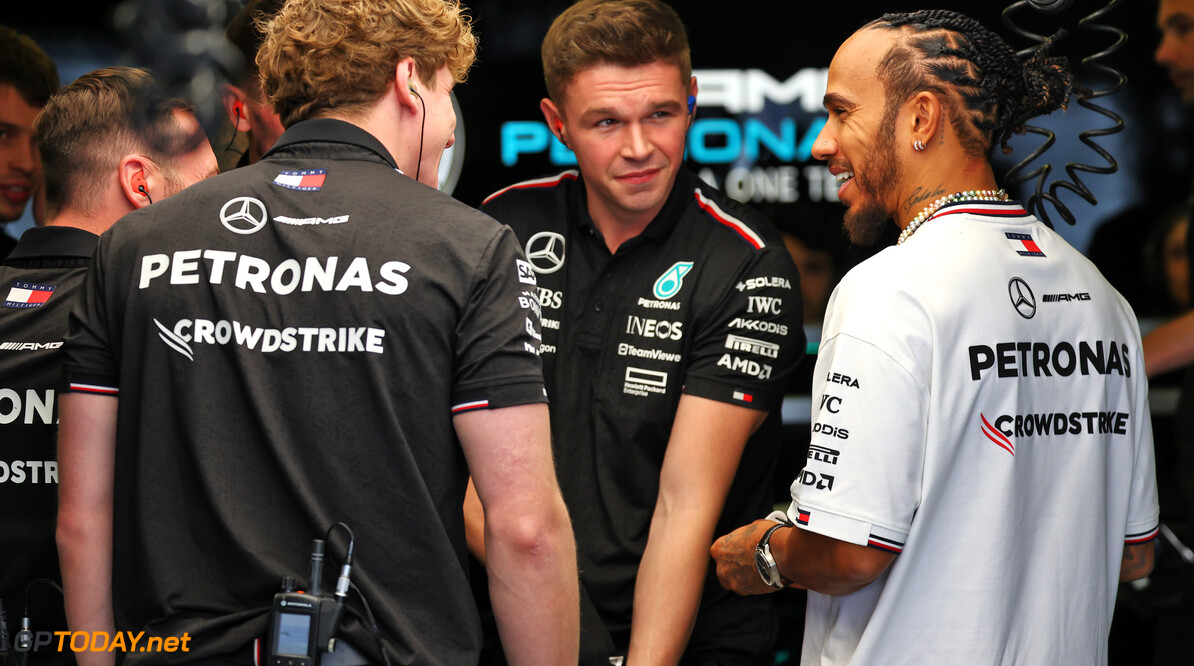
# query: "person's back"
{"type": "Point", "coordinates": [317, 345]}
{"type": "Point", "coordinates": [1026, 482]}
{"type": "Point", "coordinates": [297, 350]}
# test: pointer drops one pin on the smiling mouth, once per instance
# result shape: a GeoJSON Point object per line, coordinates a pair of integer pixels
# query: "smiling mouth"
{"type": "Point", "coordinates": [639, 176]}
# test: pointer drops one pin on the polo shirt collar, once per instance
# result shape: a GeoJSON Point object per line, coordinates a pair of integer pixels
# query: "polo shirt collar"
{"type": "Point", "coordinates": [55, 242]}
{"type": "Point", "coordinates": [331, 130]}
{"type": "Point", "coordinates": [665, 221]}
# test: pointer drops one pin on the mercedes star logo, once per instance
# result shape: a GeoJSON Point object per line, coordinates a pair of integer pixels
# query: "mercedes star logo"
{"type": "Point", "coordinates": [1022, 298]}
{"type": "Point", "coordinates": [545, 251]}
{"type": "Point", "coordinates": [243, 215]}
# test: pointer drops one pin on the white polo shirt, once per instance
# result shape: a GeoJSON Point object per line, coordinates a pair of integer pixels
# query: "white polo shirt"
{"type": "Point", "coordinates": [980, 408]}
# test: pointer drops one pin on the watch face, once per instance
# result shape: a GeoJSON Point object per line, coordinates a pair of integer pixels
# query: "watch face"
{"type": "Point", "coordinates": [763, 567]}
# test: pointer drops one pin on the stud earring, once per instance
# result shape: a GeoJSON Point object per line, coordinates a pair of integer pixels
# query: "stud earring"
{"type": "Point", "coordinates": [918, 145]}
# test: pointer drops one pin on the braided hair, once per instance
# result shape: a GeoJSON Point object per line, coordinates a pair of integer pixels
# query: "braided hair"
{"type": "Point", "coordinates": [990, 93]}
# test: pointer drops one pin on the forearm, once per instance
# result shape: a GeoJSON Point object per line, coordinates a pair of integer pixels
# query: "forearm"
{"type": "Point", "coordinates": [667, 592]}
{"type": "Point", "coordinates": [1169, 346]}
{"type": "Point", "coordinates": [533, 586]}
{"type": "Point", "coordinates": [826, 565]}
{"type": "Point", "coordinates": [85, 554]}
{"type": "Point", "coordinates": [474, 523]}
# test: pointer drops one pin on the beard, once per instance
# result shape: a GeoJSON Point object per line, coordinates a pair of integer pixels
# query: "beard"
{"type": "Point", "coordinates": [865, 220]}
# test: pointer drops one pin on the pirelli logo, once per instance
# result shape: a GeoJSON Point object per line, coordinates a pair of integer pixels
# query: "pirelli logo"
{"type": "Point", "coordinates": [29, 346]}
{"type": "Point", "coordinates": [752, 346]}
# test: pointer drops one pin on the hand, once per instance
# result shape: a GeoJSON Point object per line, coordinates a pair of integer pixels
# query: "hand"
{"type": "Point", "coordinates": [735, 557]}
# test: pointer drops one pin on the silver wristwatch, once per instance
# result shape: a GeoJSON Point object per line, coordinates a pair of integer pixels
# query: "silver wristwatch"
{"type": "Point", "coordinates": [765, 563]}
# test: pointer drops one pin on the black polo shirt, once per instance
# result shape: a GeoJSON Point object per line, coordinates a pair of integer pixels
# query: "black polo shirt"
{"type": "Point", "coordinates": [289, 342]}
{"type": "Point", "coordinates": [706, 301]}
{"type": "Point", "coordinates": [38, 283]}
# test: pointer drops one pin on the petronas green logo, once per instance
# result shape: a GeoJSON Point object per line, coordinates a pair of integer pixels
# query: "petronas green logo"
{"type": "Point", "coordinates": [672, 281]}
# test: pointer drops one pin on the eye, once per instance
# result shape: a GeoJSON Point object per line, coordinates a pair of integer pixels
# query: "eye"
{"type": "Point", "coordinates": [605, 122]}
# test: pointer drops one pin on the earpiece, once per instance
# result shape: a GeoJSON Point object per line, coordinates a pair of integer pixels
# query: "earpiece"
{"type": "Point", "coordinates": [413, 91]}
{"type": "Point", "coordinates": [141, 189]}
{"type": "Point", "coordinates": [691, 104]}
{"type": "Point", "coordinates": [560, 132]}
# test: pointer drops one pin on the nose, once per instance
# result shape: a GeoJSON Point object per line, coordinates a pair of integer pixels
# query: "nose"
{"type": "Point", "coordinates": [1164, 53]}
{"type": "Point", "coordinates": [635, 145]}
{"type": "Point", "coordinates": [23, 157]}
{"type": "Point", "coordinates": [825, 146]}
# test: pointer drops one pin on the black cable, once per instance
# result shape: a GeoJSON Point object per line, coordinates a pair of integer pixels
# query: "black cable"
{"type": "Point", "coordinates": [1094, 62]}
{"type": "Point", "coordinates": [422, 127]}
{"type": "Point", "coordinates": [47, 581]}
{"type": "Point", "coordinates": [235, 122]}
{"type": "Point", "coordinates": [351, 540]}
{"type": "Point", "coordinates": [372, 623]}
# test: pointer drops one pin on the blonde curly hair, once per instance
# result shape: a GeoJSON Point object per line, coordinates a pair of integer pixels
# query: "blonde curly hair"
{"type": "Point", "coordinates": [320, 55]}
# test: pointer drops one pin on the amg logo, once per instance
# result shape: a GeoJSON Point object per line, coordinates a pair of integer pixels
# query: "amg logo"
{"type": "Point", "coordinates": [29, 346]}
{"type": "Point", "coordinates": [1061, 298]}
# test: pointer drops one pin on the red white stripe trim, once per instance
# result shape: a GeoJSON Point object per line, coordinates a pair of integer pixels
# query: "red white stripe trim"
{"type": "Point", "coordinates": [981, 209]}
{"type": "Point", "coordinates": [92, 388]}
{"type": "Point", "coordinates": [730, 221]}
{"type": "Point", "coordinates": [550, 181]}
{"type": "Point", "coordinates": [469, 406]}
{"type": "Point", "coordinates": [1142, 538]}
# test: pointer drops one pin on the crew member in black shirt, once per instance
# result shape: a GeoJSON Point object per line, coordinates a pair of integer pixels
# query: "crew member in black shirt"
{"type": "Point", "coordinates": [103, 137]}
{"type": "Point", "coordinates": [319, 337]}
{"type": "Point", "coordinates": [671, 322]}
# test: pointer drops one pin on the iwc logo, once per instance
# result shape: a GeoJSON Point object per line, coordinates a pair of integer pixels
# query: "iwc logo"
{"type": "Point", "coordinates": [243, 215]}
{"type": "Point", "coordinates": [672, 281]}
{"type": "Point", "coordinates": [1022, 298]}
{"type": "Point", "coordinates": [545, 251]}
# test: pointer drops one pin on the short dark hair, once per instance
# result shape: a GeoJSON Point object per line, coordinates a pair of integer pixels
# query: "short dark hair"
{"type": "Point", "coordinates": [244, 32]}
{"type": "Point", "coordinates": [989, 93]}
{"type": "Point", "coordinates": [90, 124]}
{"type": "Point", "coordinates": [618, 32]}
{"type": "Point", "coordinates": [26, 67]}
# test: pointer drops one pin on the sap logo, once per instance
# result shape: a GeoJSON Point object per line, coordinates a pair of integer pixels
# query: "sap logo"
{"type": "Point", "coordinates": [745, 366]}
{"type": "Point", "coordinates": [549, 298]}
{"type": "Point", "coordinates": [764, 304]}
{"type": "Point", "coordinates": [1065, 298]}
{"type": "Point", "coordinates": [818, 481]}
{"type": "Point", "coordinates": [823, 454]}
{"type": "Point", "coordinates": [844, 380]}
{"type": "Point", "coordinates": [749, 90]}
{"type": "Point", "coordinates": [526, 274]}
{"type": "Point", "coordinates": [831, 403]}
{"type": "Point", "coordinates": [831, 431]}
{"type": "Point", "coordinates": [653, 328]}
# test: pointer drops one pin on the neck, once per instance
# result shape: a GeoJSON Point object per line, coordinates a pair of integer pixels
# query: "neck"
{"type": "Point", "coordinates": [96, 224]}
{"type": "Point", "coordinates": [924, 188]}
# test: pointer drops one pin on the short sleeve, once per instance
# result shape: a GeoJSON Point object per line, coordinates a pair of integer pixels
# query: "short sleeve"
{"type": "Point", "coordinates": [91, 365]}
{"type": "Point", "coordinates": [752, 339]}
{"type": "Point", "coordinates": [1143, 508]}
{"type": "Point", "coordinates": [862, 480]}
{"type": "Point", "coordinates": [497, 339]}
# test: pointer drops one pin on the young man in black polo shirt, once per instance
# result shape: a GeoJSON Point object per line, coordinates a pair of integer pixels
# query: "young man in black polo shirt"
{"type": "Point", "coordinates": [109, 141]}
{"type": "Point", "coordinates": [27, 79]}
{"type": "Point", "coordinates": [672, 320]}
{"type": "Point", "coordinates": [319, 337]}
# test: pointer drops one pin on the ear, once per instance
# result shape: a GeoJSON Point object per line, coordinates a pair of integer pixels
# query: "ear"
{"type": "Point", "coordinates": [925, 114]}
{"type": "Point", "coordinates": [405, 79]}
{"type": "Point", "coordinates": [555, 120]}
{"type": "Point", "coordinates": [234, 100]}
{"type": "Point", "coordinates": [138, 180]}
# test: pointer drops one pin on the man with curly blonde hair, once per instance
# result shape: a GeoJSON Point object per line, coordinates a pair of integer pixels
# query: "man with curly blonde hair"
{"type": "Point", "coordinates": [315, 338]}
